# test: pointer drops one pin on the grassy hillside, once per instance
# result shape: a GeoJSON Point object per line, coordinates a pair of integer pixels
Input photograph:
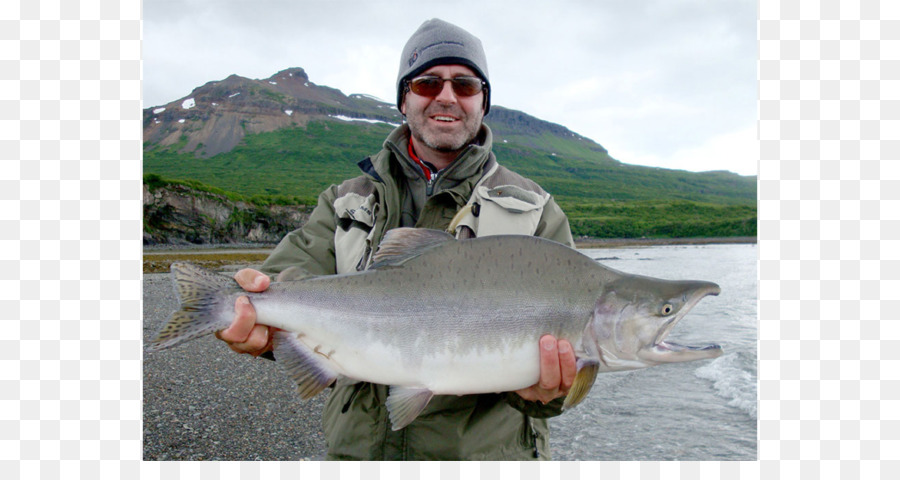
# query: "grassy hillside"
{"type": "Point", "coordinates": [660, 219]}
{"type": "Point", "coordinates": [603, 198]}
{"type": "Point", "coordinates": [293, 161]}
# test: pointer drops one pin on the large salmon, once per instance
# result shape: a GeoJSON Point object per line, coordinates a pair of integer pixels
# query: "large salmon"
{"type": "Point", "coordinates": [436, 315]}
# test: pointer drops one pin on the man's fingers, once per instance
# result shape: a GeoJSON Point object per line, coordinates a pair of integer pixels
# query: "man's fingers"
{"type": "Point", "coordinates": [252, 280]}
{"type": "Point", "coordinates": [550, 375]}
{"type": "Point", "coordinates": [244, 321]}
{"type": "Point", "coordinates": [567, 365]}
{"type": "Point", "coordinates": [256, 341]}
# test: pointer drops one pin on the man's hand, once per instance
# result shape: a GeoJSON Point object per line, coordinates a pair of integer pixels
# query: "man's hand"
{"type": "Point", "coordinates": [557, 371]}
{"type": "Point", "coordinates": [244, 335]}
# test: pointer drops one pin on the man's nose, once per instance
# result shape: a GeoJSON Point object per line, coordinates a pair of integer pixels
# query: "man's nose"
{"type": "Point", "coordinates": [447, 95]}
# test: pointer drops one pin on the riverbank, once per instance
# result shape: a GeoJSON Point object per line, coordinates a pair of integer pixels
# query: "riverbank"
{"type": "Point", "coordinates": [158, 258]}
{"type": "Point", "coordinates": [587, 242]}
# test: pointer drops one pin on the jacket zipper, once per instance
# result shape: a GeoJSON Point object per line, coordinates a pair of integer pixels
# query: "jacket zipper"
{"type": "Point", "coordinates": [429, 183]}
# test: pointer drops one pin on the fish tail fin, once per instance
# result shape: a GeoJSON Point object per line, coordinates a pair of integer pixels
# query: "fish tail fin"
{"type": "Point", "coordinates": [203, 296]}
{"type": "Point", "coordinates": [584, 380]}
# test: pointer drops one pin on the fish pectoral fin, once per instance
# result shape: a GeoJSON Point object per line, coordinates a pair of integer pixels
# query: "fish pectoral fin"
{"type": "Point", "coordinates": [402, 244]}
{"type": "Point", "coordinates": [311, 370]}
{"type": "Point", "coordinates": [404, 404]}
{"type": "Point", "coordinates": [584, 380]}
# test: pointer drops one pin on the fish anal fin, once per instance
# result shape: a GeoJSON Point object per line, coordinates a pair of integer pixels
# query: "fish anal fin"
{"type": "Point", "coordinates": [584, 380]}
{"type": "Point", "coordinates": [312, 372]}
{"type": "Point", "coordinates": [402, 244]}
{"type": "Point", "coordinates": [404, 404]}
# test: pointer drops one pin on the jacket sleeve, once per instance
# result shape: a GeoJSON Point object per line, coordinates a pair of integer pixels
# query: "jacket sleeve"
{"type": "Point", "coordinates": [310, 247]}
{"type": "Point", "coordinates": [554, 225]}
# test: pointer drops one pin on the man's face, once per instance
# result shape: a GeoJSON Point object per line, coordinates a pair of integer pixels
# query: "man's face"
{"type": "Point", "coordinates": [445, 123]}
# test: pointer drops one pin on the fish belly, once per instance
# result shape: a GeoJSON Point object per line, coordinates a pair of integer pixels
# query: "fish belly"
{"type": "Point", "coordinates": [482, 372]}
{"type": "Point", "coordinates": [352, 345]}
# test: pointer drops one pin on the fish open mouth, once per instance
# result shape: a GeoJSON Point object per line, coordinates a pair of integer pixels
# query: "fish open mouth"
{"type": "Point", "coordinates": [675, 347]}
{"type": "Point", "coordinates": [675, 352]}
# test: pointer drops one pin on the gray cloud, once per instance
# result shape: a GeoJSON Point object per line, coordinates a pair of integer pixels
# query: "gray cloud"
{"type": "Point", "coordinates": [647, 79]}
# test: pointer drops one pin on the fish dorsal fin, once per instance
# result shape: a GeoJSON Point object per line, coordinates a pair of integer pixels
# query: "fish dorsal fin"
{"type": "Point", "coordinates": [404, 404]}
{"type": "Point", "coordinates": [402, 244]}
{"type": "Point", "coordinates": [584, 380]}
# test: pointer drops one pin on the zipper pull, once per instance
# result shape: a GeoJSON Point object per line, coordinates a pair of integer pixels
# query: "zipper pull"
{"type": "Point", "coordinates": [429, 184]}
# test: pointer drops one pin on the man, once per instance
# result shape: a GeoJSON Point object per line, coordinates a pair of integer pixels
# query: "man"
{"type": "Point", "coordinates": [435, 170]}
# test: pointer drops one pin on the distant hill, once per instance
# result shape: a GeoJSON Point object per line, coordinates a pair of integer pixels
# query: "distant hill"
{"type": "Point", "coordinates": [287, 136]}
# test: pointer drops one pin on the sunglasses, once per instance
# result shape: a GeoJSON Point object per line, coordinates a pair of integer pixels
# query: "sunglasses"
{"type": "Point", "coordinates": [431, 86]}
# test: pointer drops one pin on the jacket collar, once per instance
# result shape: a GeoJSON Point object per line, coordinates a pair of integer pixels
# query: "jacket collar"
{"type": "Point", "coordinates": [469, 162]}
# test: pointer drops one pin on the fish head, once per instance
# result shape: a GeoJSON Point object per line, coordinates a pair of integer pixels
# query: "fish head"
{"type": "Point", "coordinates": [634, 314]}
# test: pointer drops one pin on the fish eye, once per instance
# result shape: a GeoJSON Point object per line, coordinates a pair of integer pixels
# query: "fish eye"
{"type": "Point", "coordinates": [667, 309]}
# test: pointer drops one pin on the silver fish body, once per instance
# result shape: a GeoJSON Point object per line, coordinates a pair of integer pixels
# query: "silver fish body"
{"type": "Point", "coordinates": [439, 316]}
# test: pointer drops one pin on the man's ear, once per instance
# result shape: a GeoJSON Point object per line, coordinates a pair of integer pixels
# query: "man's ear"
{"type": "Point", "coordinates": [403, 105]}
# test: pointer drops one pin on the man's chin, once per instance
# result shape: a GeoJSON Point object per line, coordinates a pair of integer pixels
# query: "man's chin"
{"type": "Point", "coordinates": [446, 145]}
{"type": "Point", "coordinates": [447, 148]}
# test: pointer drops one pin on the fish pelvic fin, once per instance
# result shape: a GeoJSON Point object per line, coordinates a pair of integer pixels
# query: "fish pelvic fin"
{"type": "Point", "coordinates": [202, 295]}
{"type": "Point", "coordinates": [308, 368]}
{"type": "Point", "coordinates": [584, 380]}
{"type": "Point", "coordinates": [404, 404]}
{"type": "Point", "coordinates": [402, 244]}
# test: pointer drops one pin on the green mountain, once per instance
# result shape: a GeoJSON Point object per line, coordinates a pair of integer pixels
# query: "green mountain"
{"type": "Point", "coordinates": [286, 137]}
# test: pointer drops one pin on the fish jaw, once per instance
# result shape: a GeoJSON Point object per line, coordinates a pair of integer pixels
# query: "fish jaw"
{"type": "Point", "coordinates": [668, 352]}
{"type": "Point", "coordinates": [661, 351]}
{"type": "Point", "coordinates": [633, 317]}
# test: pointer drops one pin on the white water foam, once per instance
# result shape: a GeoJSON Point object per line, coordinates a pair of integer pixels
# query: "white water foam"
{"type": "Point", "coordinates": [734, 378]}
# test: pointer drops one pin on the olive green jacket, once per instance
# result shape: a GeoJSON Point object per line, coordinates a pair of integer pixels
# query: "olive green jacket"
{"type": "Point", "coordinates": [341, 234]}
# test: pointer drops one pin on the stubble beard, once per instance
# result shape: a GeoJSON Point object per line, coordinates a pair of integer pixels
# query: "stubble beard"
{"type": "Point", "coordinates": [438, 141]}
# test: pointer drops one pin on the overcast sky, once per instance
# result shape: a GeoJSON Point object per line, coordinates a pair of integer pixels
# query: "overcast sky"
{"type": "Point", "coordinates": [667, 83]}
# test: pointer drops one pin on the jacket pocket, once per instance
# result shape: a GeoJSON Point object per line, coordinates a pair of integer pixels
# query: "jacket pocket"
{"type": "Point", "coordinates": [504, 210]}
{"type": "Point", "coordinates": [355, 219]}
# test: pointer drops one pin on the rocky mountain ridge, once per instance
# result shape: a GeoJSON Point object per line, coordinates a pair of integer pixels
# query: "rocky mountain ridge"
{"type": "Point", "coordinates": [216, 116]}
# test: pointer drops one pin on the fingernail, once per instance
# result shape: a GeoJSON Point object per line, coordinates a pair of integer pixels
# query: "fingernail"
{"type": "Point", "coordinates": [258, 282]}
{"type": "Point", "coordinates": [563, 347]}
{"type": "Point", "coordinates": [547, 344]}
{"type": "Point", "coordinates": [243, 300]}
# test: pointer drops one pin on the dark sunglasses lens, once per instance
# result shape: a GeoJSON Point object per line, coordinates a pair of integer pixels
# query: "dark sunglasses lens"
{"type": "Point", "coordinates": [427, 86]}
{"type": "Point", "coordinates": [432, 86]}
{"type": "Point", "coordinates": [466, 86]}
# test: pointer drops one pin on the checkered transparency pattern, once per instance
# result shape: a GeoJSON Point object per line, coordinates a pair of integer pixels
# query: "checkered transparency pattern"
{"type": "Point", "coordinates": [70, 146]}
{"type": "Point", "coordinates": [829, 234]}
{"type": "Point", "coordinates": [70, 254]}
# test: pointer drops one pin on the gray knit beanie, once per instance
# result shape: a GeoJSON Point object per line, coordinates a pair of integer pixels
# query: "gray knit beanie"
{"type": "Point", "coordinates": [437, 42]}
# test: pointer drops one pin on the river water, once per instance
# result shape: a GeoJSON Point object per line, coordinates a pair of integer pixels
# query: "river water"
{"type": "Point", "coordinates": [704, 410]}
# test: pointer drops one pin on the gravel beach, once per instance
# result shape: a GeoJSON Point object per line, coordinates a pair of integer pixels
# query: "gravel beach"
{"type": "Point", "coordinates": [204, 402]}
